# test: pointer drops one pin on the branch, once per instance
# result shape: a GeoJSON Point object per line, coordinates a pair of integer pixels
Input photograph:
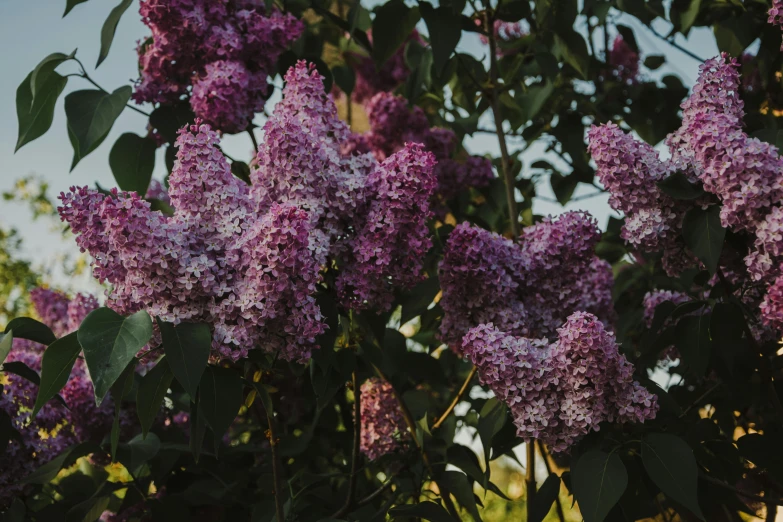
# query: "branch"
{"type": "Point", "coordinates": [86, 76]}
{"type": "Point", "coordinates": [253, 138]}
{"type": "Point", "coordinates": [372, 496]}
{"type": "Point", "coordinates": [757, 498]}
{"type": "Point", "coordinates": [677, 46]}
{"type": "Point", "coordinates": [357, 434]}
{"type": "Point", "coordinates": [406, 414]}
{"type": "Point", "coordinates": [456, 400]}
{"type": "Point", "coordinates": [530, 478]}
{"type": "Point", "coordinates": [701, 398]}
{"type": "Point", "coordinates": [558, 504]}
{"type": "Point", "coordinates": [276, 466]}
{"type": "Point", "coordinates": [508, 178]}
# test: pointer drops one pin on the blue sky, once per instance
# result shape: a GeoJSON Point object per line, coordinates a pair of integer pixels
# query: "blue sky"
{"type": "Point", "coordinates": [31, 30]}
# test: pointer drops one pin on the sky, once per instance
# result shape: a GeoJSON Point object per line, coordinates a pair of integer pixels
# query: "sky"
{"type": "Point", "coordinates": [49, 157]}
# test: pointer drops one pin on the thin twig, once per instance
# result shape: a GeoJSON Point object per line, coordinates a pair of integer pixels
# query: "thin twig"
{"type": "Point", "coordinates": [728, 487]}
{"type": "Point", "coordinates": [277, 470]}
{"type": "Point", "coordinates": [701, 398]}
{"type": "Point", "coordinates": [456, 399]}
{"type": "Point", "coordinates": [86, 76]}
{"type": "Point", "coordinates": [357, 434]}
{"type": "Point", "coordinates": [372, 496]}
{"type": "Point", "coordinates": [508, 177]}
{"type": "Point", "coordinates": [545, 458]}
{"type": "Point", "coordinates": [253, 138]}
{"type": "Point", "coordinates": [530, 478]}
{"type": "Point", "coordinates": [406, 414]}
{"type": "Point", "coordinates": [677, 46]}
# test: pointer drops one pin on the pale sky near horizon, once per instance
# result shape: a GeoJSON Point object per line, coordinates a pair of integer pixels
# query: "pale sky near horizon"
{"type": "Point", "coordinates": [49, 157]}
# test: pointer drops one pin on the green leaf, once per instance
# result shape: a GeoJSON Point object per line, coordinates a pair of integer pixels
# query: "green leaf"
{"type": "Point", "coordinates": [187, 347]}
{"type": "Point", "coordinates": [119, 390]}
{"type": "Point", "coordinates": [464, 458]}
{"type": "Point", "coordinates": [110, 341]}
{"type": "Point", "coordinates": [683, 20]}
{"type": "Point", "coordinates": [16, 512]}
{"type": "Point", "coordinates": [56, 365]}
{"type": "Point", "coordinates": [132, 160]}
{"type": "Point", "coordinates": [692, 340]}
{"type": "Point", "coordinates": [241, 170]}
{"type": "Point", "coordinates": [544, 498]}
{"type": "Point", "coordinates": [563, 186]}
{"type": "Point", "coordinates": [669, 462]}
{"type": "Point", "coordinates": [424, 510]}
{"type": "Point", "coordinates": [513, 10]}
{"type": "Point", "coordinates": [221, 398]}
{"type": "Point", "coordinates": [91, 114]}
{"type": "Point", "coordinates": [534, 99]}
{"type": "Point", "coordinates": [151, 393]}
{"type": "Point", "coordinates": [35, 116]}
{"type": "Point", "coordinates": [22, 370]}
{"type": "Point", "coordinates": [444, 30]}
{"type": "Point", "coordinates": [345, 78]}
{"type": "Point", "coordinates": [419, 61]}
{"type": "Point", "coordinates": [109, 28]}
{"type": "Point", "coordinates": [45, 68]}
{"type": "Point", "coordinates": [599, 480]}
{"type": "Point", "coordinates": [704, 234]}
{"type": "Point", "coordinates": [734, 34]}
{"type": "Point", "coordinates": [49, 471]}
{"type": "Point", "coordinates": [6, 342]}
{"type": "Point", "coordinates": [138, 451]}
{"type": "Point", "coordinates": [70, 4]}
{"type": "Point", "coordinates": [491, 420]}
{"type": "Point", "coordinates": [391, 27]}
{"type": "Point", "coordinates": [30, 329]}
{"type": "Point", "coordinates": [89, 510]}
{"type": "Point", "coordinates": [573, 49]}
{"type": "Point", "coordinates": [198, 428]}
{"type": "Point", "coordinates": [654, 61]}
{"type": "Point", "coordinates": [458, 485]}
{"type": "Point", "coordinates": [419, 300]}
{"type": "Point", "coordinates": [678, 187]}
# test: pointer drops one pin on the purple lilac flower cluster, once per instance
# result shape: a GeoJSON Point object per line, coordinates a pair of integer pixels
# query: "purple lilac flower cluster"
{"type": "Point", "coordinates": [561, 391]}
{"type": "Point", "coordinates": [219, 53]}
{"type": "Point", "coordinates": [624, 61]}
{"type": "Point", "coordinates": [526, 289]}
{"type": "Point", "coordinates": [712, 147]}
{"type": "Point", "coordinates": [505, 33]}
{"type": "Point", "coordinates": [630, 170]}
{"type": "Point", "coordinates": [393, 124]}
{"type": "Point", "coordinates": [383, 426]}
{"type": "Point", "coordinates": [248, 261]}
{"type": "Point", "coordinates": [41, 438]}
{"type": "Point", "coordinates": [158, 190]}
{"type": "Point", "coordinates": [54, 428]}
{"type": "Point", "coordinates": [743, 172]}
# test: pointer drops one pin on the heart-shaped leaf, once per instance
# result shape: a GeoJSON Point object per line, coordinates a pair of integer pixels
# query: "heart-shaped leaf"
{"type": "Point", "coordinates": [670, 463]}
{"type": "Point", "coordinates": [151, 393]}
{"type": "Point", "coordinates": [56, 366]}
{"type": "Point", "coordinates": [30, 329]}
{"type": "Point", "coordinates": [110, 341]}
{"type": "Point", "coordinates": [599, 480]}
{"type": "Point", "coordinates": [187, 348]}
